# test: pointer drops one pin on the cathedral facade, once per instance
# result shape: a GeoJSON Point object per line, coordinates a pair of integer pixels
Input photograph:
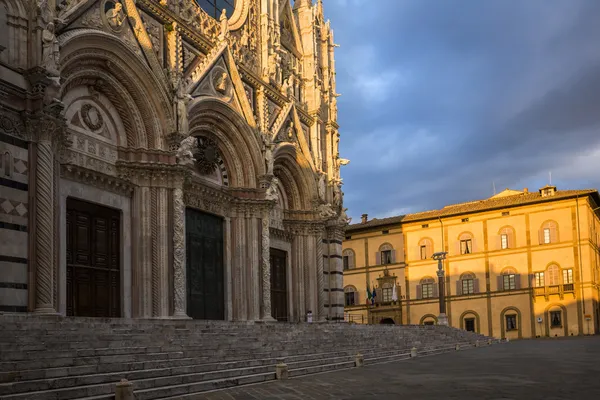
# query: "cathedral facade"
{"type": "Point", "coordinates": [169, 159]}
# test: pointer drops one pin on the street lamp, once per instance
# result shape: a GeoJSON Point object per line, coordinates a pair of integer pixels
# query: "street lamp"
{"type": "Point", "coordinates": [440, 257]}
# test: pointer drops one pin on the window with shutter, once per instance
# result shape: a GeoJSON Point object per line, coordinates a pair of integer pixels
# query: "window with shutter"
{"type": "Point", "coordinates": [467, 286]}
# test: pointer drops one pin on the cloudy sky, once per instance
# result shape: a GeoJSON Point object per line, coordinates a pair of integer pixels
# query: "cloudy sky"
{"type": "Point", "coordinates": [443, 98]}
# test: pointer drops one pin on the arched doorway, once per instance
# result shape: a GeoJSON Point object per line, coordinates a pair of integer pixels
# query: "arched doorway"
{"type": "Point", "coordinates": [387, 321]}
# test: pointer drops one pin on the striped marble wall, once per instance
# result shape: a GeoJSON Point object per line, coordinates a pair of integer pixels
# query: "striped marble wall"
{"type": "Point", "coordinates": [14, 216]}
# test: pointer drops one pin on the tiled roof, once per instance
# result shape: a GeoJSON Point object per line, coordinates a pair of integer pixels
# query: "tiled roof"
{"type": "Point", "coordinates": [522, 198]}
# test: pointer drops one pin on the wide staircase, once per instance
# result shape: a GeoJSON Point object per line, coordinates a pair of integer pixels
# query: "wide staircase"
{"type": "Point", "coordinates": [84, 358]}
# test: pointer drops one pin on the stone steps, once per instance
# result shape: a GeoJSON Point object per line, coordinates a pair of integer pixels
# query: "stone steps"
{"type": "Point", "coordinates": [155, 380]}
{"type": "Point", "coordinates": [75, 358]}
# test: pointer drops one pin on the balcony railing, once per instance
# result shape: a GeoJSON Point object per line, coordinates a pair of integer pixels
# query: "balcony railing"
{"type": "Point", "coordinates": [554, 289]}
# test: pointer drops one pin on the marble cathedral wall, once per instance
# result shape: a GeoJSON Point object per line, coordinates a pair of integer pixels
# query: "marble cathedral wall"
{"type": "Point", "coordinates": [164, 160]}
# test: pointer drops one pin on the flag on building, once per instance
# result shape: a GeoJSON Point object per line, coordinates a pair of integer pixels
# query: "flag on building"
{"type": "Point", "coordinates": [374, 295]}
{"type": "Point", "coordinates": [394, 293]}
{"type": "Point", "coordinates": [369, 295]}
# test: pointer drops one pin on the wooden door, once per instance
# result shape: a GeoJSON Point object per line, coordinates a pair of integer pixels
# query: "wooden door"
{"type": "Point", "coordinates": [205, 276]}
{"type": "Point", "coordinates": [279, 308]}
{"type": "Point", "coordinates": [93, 260]}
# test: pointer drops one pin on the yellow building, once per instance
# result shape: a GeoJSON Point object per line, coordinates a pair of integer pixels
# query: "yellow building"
{"type": "Point", "coordinates": [519, 265]}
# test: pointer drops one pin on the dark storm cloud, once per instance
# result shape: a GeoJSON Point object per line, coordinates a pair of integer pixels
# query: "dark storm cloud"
{"type": "Point", "coordinates": [442, 98]}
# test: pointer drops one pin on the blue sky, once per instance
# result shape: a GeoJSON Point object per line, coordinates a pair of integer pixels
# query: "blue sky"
{"type": "Point", "coordinates": [441, 98]}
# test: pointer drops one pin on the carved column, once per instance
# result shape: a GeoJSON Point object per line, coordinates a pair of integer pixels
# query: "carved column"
{"type": "Point", "coordinates": [179, 280]}
{"type": "Point", "coordinates": [160, 251]}
{"type": "Point", "coordinates": [266, 268]}
{"type": "Point", "coordinates": [44, 221]}
{"type": "Point", "coordinates": [320, 278]}
{"type": "Point", "coordinates": [47, 128]}
{"type": "Point", "coordinates": [228, 271]}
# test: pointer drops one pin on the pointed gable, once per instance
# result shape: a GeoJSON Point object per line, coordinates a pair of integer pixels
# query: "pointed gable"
{"type": "Point", "coordinates": [217, 76]}
{"type": "Point", "coordinates": [290, 36]}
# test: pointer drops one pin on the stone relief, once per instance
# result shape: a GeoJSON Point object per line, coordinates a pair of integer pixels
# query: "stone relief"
{"type": "Point", "coordinates": [272, 193]}
{"type": "Point", "coordinates": [185, 152]}
{"type": "Point", "coordinates": [91, 117]}
{"type": "Point", "coordinates": [207, 155]}
{"type": "Point", "coordinates": [321, 186]}
{"type": "Point", "coordinates": [50, 49]}
{"type": "Point", "coordinates": [326, 211]}
{"type": "Point", "coordinates": [114, 14]}
{"type": "Point", "coordinates": [180, 103]}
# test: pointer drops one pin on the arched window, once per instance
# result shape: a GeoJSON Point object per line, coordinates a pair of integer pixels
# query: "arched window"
{"type": "Point", "coordinates": [509, 280]}
{"type": "Point", "coordinates": [350, 296]}
{"type": "Point", "coordinates": [215, 7]}
{"type": "Point", "coordinates": [348, 258]}
{"type": "Point", "coordinates": [425, 249]}
{"type": "Point", "coordinates": [467, 284]}
{"type": "Point", "coordinates": [465, 243]}
{"type": "Point", "coordinates": [506, 238]}
{"type": "Point", "coordinates": [548, 232]}
{"type": "Point", "coordinates": [427, 288]}
{"type": "Point", "coordinates": [553, 275]}
{"type": "Point", "coordinates": [385, 255]}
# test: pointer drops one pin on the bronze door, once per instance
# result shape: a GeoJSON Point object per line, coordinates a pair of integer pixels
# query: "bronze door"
{"type": "Point", "coordinates": [205, 276]}
{"type": "Point", "coordinates": [279, 309]}
{"type": "Point", "coordinates": [93, 260]}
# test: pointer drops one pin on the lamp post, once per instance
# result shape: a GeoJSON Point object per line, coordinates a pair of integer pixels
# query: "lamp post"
{"type": "Point", "coordinates": [440, 257]}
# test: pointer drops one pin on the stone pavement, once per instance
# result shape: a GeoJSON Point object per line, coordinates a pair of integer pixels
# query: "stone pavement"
{"type": "Point", "coordinates": [549, 369]}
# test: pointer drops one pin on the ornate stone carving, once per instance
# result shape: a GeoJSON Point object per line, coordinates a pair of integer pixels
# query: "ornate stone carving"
{"type": "Point", "coordinates": [321, 186]}
{"type": "Point", "coordinates": [179, 279]}
{"type": "Point", "coordinates": [271, 193]}
{"type": "Point", "coordinates": [91, 117]}
{"type": "Point", "coordinates": [180, 103]}
{"type": "Point", "coordinates": [207, 155]}
{"type": "Point", "coordinates": [326, 212]}
{"type": "Point", "coordinates": [266, 268]}
{"type": "Point", "coordinates": [50, 49]}
{"type": "Point", "coordinates": [185, 152]}
{"type": "Point", "coordinates": [224, 24]}
{"type": "Point", "coordinates": [114, 14]}
{"type": "Point", "coordinates": [221, 82]}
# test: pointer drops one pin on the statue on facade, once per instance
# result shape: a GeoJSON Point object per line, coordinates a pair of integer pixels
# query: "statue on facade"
{"type": "Point", "coordinates": [221, 83]}
{"type": "Point", "coordinates": [269, 160]}
{"type": "Point", "coordinates": [321, 186]}
{"type": "Point", "coordinates": [271, 193]}
{"type": "Point", "coordinates": [344, 218]}
{"type": "Point", "coordinates": [224, 25]}
{"type": "Point", "coordinates": [181, 101]}
{"type": "Point", "coordinates": [52, 91]}
{"type": "Point", "coordinates": [290, 130]}
{"type": "Point", "coordinates": [50, 49]}
{"type": "Point", "coordinates": [337, 196]}
{"type": "Point", "coordinates": [326, 211]}
{"type": "Point", "coordinates": [115, 16]}
{"type": "Point", "coordinates": [185, 155]}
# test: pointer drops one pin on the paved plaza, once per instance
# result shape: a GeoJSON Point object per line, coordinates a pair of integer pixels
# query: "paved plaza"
{"type": "Point", "coordinates": [548, 369]}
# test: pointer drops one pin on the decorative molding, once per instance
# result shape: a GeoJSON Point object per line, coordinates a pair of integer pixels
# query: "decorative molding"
{"type": "Point", "coordinates": [97, 179]}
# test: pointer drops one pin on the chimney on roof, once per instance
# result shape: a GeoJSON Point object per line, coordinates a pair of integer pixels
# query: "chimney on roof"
{"type": "Point", "coordinates": [364, 218]}
{"type": "Point", "coordinates": [525, 190]}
